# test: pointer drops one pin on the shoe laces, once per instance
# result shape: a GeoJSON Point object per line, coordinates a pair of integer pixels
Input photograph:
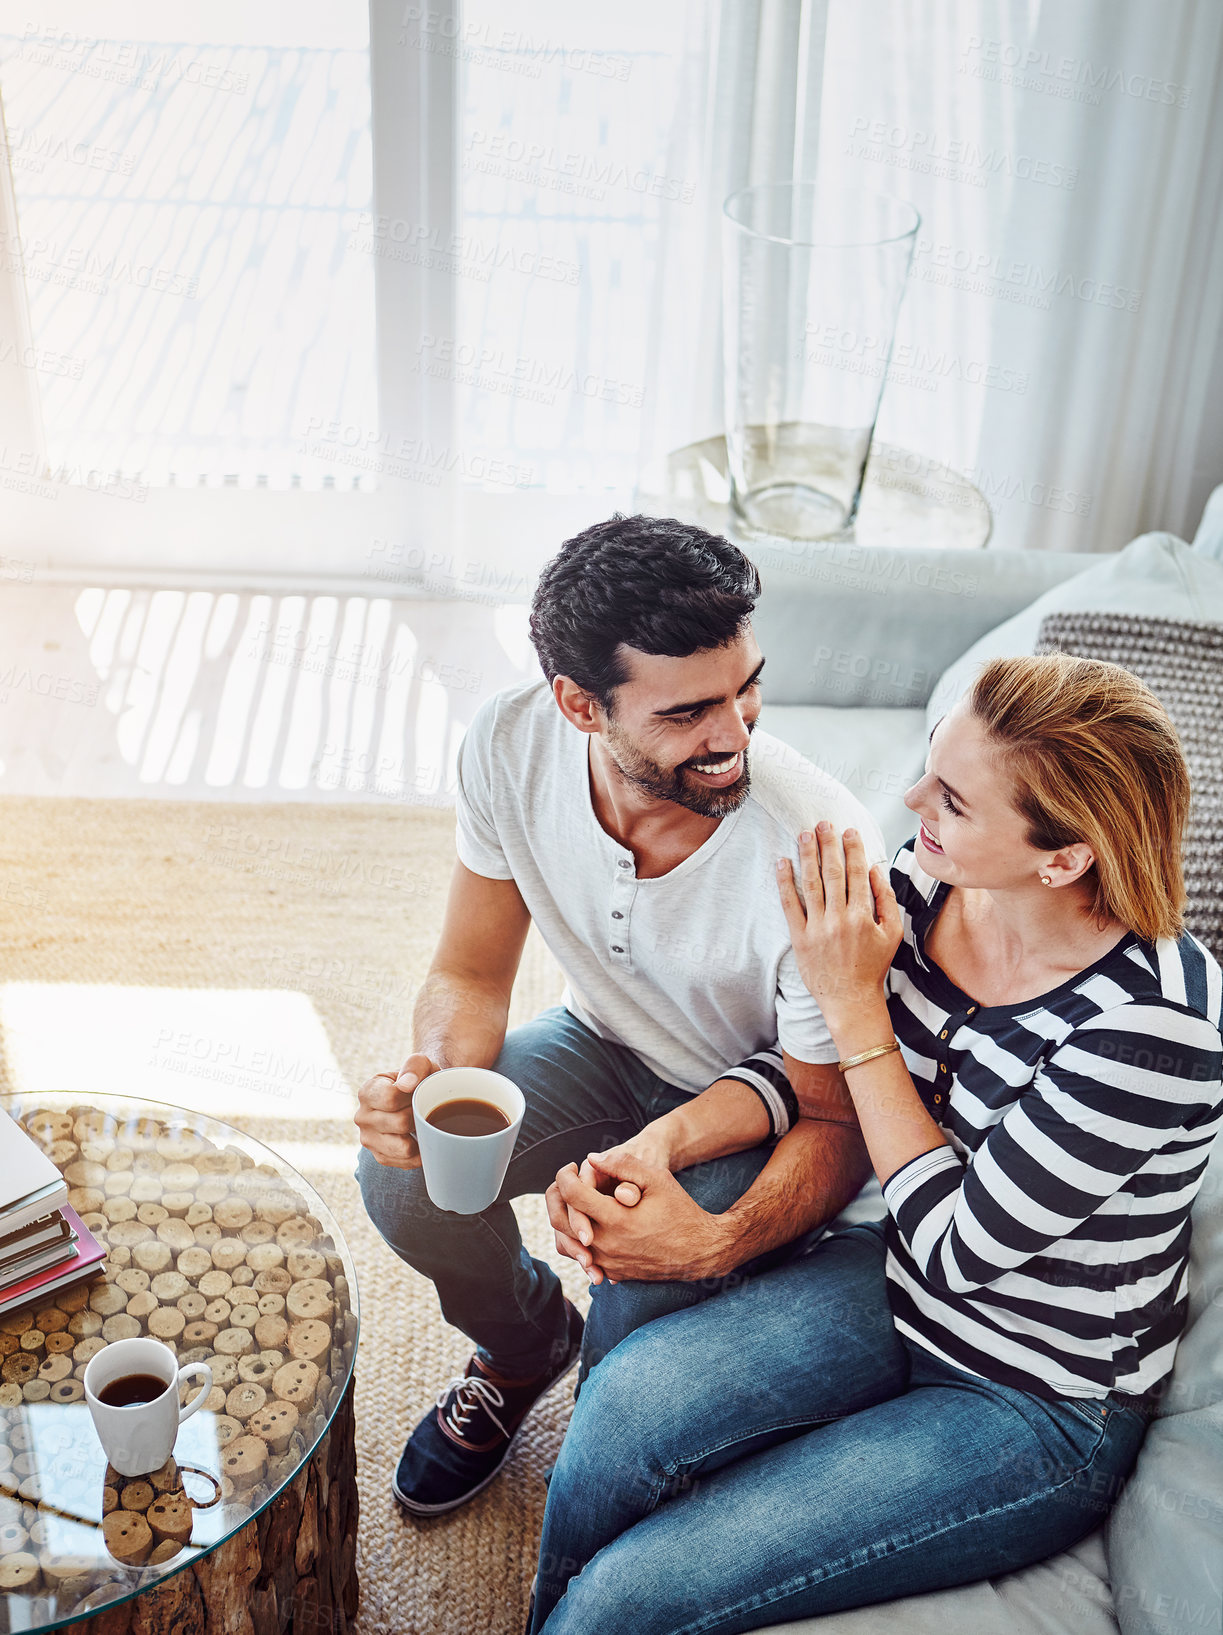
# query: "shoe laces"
{"type": "Point", "coordinates": [467, 1393]}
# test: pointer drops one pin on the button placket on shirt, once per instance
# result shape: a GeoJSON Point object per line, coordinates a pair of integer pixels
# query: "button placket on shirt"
{"type": "Point", "coordinates": [942, 1056]}
{"type": "Point", "coordinates": [624, 889]}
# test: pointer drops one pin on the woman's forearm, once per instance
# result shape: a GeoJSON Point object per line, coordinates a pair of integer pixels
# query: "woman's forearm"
{"type": "Point", "coordinates": [895, 1124]}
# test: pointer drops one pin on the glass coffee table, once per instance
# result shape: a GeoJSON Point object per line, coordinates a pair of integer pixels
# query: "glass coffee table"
{"type": "Point", "coordinates": [219, 1249]}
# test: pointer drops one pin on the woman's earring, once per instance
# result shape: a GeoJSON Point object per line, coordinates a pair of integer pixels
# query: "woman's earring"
{"type": "Point", "coordinates": [1046, 879]}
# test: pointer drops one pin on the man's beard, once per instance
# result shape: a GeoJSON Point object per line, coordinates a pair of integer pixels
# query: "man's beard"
{"type": "Point", "coordinates": [669, 783]}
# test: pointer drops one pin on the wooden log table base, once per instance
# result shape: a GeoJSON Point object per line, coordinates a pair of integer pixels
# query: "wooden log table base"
{"type": "Point", "coordinates": [292, 1570]}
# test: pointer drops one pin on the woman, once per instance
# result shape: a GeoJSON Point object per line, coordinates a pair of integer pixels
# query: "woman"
{"type": "Point", "coordinates": [1031, 1044]}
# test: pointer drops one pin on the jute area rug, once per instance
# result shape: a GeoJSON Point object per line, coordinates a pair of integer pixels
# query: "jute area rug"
{"type": "Point", "coordinates": [344, 903]}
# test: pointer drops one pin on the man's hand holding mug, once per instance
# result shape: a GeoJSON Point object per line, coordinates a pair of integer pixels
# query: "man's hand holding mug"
{"type": "Point", "coordinates": [406, 1126]}
{"type": "Point", "coordinates": [384, 1113]}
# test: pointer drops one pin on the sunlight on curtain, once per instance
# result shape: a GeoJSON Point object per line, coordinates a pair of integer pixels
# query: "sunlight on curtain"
{"type": "Point", "coordinates": [194, 194]}
{"type": "Point", "coordinates": [198, 241]}
{"type": "Point", "coordinates": [566, 116]}
{"type": "Point", "coordinates": [1061, 331]}
{"type": "Point", "coordinates": [1055, 154]}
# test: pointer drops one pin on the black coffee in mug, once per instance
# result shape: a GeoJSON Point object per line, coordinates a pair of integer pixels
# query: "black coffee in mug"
{"type": "Point", "coordinates": [131, 1390]}
{"type": "Point", "coordinates": [468, 1116]}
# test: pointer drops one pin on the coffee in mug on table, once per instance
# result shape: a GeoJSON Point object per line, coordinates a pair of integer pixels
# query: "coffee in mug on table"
{"type": "Point", "coordinates": [131, 1390]}
{"type": "Point", "coordinates": [138, 1431]}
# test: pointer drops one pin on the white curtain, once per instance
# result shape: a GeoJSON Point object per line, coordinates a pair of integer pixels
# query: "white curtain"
{"type": "Point", "coordinates": [1061, 339]}
{"type": "Point", "coordinates": [748, 111]}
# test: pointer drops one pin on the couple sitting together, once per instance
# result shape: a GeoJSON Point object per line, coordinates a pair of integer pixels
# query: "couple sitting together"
{"type": "Point", "coordinates": [779, 1415]}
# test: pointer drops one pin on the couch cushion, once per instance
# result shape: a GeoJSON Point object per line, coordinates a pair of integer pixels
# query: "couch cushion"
{"type": "Point", "coordinates": [1165, 1535]}
{"type": "Point", "coordinates": [1158, 575]}
{"type": "Point", "coordinates": [1066, 1595]}
{"type": "Point", "coordinates": [876, 754]}
{"type": "Point", "coordinates": [1209, 537]}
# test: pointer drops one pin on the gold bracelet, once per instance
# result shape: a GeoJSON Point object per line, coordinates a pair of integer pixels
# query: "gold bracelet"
{"type": "Point", "coordinates": [867, 1056]}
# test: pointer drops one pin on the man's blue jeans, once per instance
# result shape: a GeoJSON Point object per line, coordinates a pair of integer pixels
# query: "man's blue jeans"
{"type": "Point", "coordinates": [583, 1094]}
{"type": "Point", "coordinates": [782, 1451]}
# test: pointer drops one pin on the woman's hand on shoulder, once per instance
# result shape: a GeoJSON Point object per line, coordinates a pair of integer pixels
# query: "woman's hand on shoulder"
{"type": "Point", "coordinates": [845, 936]}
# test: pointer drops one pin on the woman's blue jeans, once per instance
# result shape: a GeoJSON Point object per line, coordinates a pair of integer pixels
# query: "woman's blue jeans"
{"type": "Point", "coordinates": [781, 1451]}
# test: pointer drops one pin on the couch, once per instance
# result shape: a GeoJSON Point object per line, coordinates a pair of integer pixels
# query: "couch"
{"type": "Point", "coordinates": [865, 650]}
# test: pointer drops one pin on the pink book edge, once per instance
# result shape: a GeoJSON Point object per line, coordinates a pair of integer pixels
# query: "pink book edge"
{"type": "Point", "coordinates": [88, 1252]}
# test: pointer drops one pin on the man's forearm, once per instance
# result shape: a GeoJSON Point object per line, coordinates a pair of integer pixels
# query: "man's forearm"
{"type": "Point", "coordinates": [458, 1022]}
{"type": "Point", "coordinates": [815, 1170]}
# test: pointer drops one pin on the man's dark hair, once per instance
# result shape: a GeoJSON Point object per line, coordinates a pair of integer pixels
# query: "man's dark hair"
{"type": "Point", "coordinates": [652, 583]}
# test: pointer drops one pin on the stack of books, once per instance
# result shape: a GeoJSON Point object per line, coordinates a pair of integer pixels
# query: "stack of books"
{"type": "Point", "coordinates": [43, 1244]}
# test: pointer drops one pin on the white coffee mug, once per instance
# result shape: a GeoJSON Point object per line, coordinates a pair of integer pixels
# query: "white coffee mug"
{"type": "Point", "coordinates": [140, 1437]}
{"type": "Point", "coordinates": [463, 1173]}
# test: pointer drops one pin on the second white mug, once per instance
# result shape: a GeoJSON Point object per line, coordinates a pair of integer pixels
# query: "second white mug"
{"type": "Point", "coordinates": [140, 1437]}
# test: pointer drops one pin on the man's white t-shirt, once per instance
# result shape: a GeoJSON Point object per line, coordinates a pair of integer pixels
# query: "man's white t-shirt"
{"type": "Point", "coordinates": [693, 970]}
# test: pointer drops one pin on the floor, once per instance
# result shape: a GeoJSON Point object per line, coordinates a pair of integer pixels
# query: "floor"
{"type": "Point", "coordinates": [258, 962]}
{"type": "Point", "coordinates": [230, 695]}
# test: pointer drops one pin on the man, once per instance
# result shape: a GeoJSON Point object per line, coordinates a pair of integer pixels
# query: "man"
{"type": "Point", "coordinates": [612, 802]}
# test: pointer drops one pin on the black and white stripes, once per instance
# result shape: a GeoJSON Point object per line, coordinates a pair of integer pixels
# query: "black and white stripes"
{"type": "Point", "coordinates": [1046, 1246]}
{"type": "Point", "coordinates": [765, 1074]}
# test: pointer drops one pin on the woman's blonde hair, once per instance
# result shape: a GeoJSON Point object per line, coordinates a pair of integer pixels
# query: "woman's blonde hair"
{"type": "Point", "coordinates": [1095, 759]}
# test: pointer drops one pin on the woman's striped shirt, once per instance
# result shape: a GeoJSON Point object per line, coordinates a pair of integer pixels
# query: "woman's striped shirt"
{"type": "Point", "coordinates": [1046, 1245]}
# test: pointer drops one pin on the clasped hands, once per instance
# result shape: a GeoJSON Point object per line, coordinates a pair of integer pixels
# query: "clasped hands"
{"type": "Point", "coordinates": [623, 1214]}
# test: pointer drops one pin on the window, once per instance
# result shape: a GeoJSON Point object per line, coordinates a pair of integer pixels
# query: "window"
{"type": "Point", "coordinates": [189, 203]}
{"type": "Point", "coordinates": [566, 117]}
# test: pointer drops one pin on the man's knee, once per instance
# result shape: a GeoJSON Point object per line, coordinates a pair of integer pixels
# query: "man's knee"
{"type": "Point", "coordinates": [395, 1200]}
